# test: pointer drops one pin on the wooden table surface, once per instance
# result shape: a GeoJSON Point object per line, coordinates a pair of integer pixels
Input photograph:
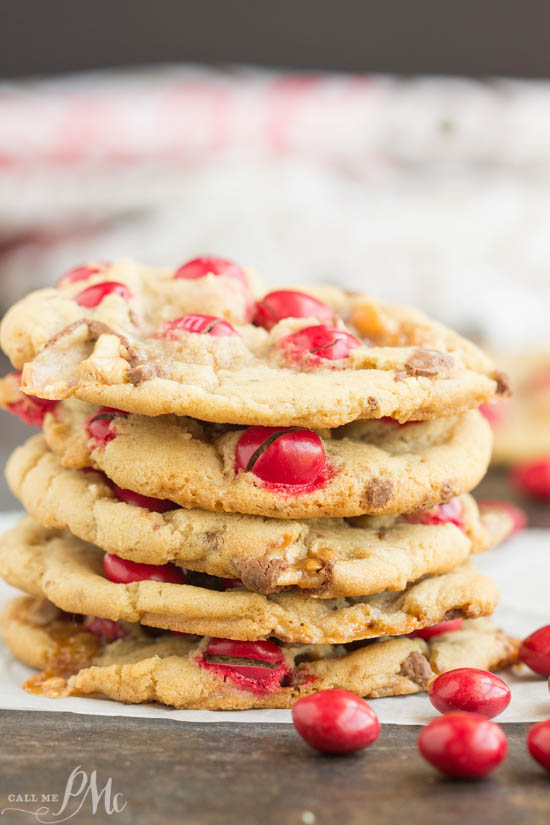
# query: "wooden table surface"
{"type": "Point", "coordinates": [201, 774]}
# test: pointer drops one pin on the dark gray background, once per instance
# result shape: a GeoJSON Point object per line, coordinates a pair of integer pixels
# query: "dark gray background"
{"type": "Point", "coordinates": [483, 37]}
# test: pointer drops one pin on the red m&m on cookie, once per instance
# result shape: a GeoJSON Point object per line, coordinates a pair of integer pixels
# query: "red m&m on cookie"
{"type": "Point", "coordinates": [80, 273]}
{"type": "Point", "coordinates": [197, 324]}
{"type": "Point", "coordinates": [124, 571]}
{"type": "Point", "coordinates": [256, 666]}
{"type": "Point", "coordinates": [29, 408]}
{"type": "Point", "coordinates": [155, 505]}
{"type": "Point", "coordinates": [289, 303]}
{"type": "Point", "coordinates": [278, 455]}
{"type": "Point", "coordinates": [105, 629]}
{"type": "Point", "coordinates": [318, 343]}
{"type": "Point", "coordinates": [450, 513]}
{"type": "Point", "coordinates": [436, 629]}
{"type": "Point", "coordinates": [211, 265]}
{"type": "Point", "coordinates": [93, 295]}
{"type": "Point", "coordinates": [98, 426]}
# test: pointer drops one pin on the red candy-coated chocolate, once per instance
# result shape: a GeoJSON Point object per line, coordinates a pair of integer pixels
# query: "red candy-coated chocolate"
{"type": "Point", "coordinates": [93, 295]}
{"type": "Point", "coordinates": [258, 678]}
{"type": "Point", "coordinates": [199, 324]}
{"type": "Point", "coordinates": [538, 743]}
{"type": "Point", "coordinates": [335, 721]}
{"type": "Point", "coordinates": [497, 412]}
{"type": "Point", "coordinates": [80, 273]}
{"type": "Point", "coordinates": [211, 265]}
{"type": "Point", "coordinates": [281, 456]}
{"type": "Point", "coordinates": [451, 512]}
{"type": "Point", "coordinates": [534, 651]}
{"type": "Point", "coordinates": [319, 343]}
{"type": "Point", "coordinates": [30, 409]}
{"type": "Point", "coordinates": [98, 425]}
{"type": "Point", "coordinates": [463, 745]}
{"type": "Point", "coordinates": [125, 571]}
{"type": "Point", "coordinates": [288, 303]}
{"type": "Point", "coordinates": [232, 584]}
{"type": "Point", "coordinates": [518, 517]}
{"type": "Point", "coordinates": [156, 505]}
{"type": "Point", "coordinates": [470, 689]}
{"type": "Point", "coordinates": [533, 478]}
{"type": "Point", "coordinates": [106, 629]}
{"type": "Point", "coordinates": [436, 629]}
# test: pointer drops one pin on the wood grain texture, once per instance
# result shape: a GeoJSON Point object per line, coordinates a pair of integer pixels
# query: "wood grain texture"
{"type": "Point", "coordinates": [197, 774]}
{"type": "Point", "coordinates": [244, 774]}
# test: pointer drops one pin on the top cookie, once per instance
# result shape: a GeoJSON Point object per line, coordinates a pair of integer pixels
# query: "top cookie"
{"type": "Point", "coordinates": [130, 337]}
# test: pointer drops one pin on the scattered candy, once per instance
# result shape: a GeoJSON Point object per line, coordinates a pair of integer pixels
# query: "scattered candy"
{"type": "Point", "coordinates": [518, 517]}
{"type": "Point", "coordinates": [93, 295]}
{"type": "Point", "coordinates": [288, 303]}
{"type": "Point", "coordinates": [533, 478]}
{"type": "Point", "coordinates": [538, 743]}
{"type": "Point", "coordinates": [199, 324]}
{"type": "Point", "coordinates": [281, 456]}
{"type": "Point", "coordinates": [124, 571]}
{"type": "Point", "coordinates": [436, 629]}
{"type": "Point", "coordinates": [335, 721]}
{"type": "Point", "coordinates": [211, 265]}
{"type": "Point", "coordinates": [534, 651]}
{"type": "Point", "coordinates": [470, 689]}
{"type": "Point", "coordinates": [463, 745]}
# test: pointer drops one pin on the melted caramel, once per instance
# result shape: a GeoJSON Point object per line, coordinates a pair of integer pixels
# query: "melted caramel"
{"type": "Point", "coordinates": [73, 650]}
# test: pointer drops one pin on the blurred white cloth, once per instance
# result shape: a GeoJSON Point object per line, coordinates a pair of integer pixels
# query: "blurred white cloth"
{"type": "Point", "coordinates": [428, 191]}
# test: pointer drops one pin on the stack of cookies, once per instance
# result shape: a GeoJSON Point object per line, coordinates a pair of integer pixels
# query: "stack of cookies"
{"type": "Point", "coordinates": [237, 500]}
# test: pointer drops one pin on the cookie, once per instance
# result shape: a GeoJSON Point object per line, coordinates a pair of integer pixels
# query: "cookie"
{"type": "Point", "coordinates": [70, 573]}
{"type": "Point", "coordinates": [373, 467]}
{"type": "Point", "coordinates": [330, 557]}
{"type": "Point", "coordinates": [131, 338]}
{"type": "Point", "coordinates": [521, 424]}
{"type": "Point", "coordinates": [199, 673]}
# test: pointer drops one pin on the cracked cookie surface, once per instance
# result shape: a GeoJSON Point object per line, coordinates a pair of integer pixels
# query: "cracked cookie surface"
{"type": "Point", "coordinates": [69, 573]}
{"type": "Point", "coordinates": [127, 351]}
{"type": "Point", "coordinates": [332, 557]}
{"type": "Point", "coordinates": [169, 669]}
{"type": "Point", "coordinates": [367, 467]}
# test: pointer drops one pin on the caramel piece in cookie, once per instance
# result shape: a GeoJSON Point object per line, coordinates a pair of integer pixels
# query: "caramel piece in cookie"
{"type": "Point", "coordinates": [171, 669]}
{"type": "Point", "coordinates": [70, 573]}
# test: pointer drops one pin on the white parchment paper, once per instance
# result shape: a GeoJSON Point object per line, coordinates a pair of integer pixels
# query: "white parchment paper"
{"type": "Point", "coordinates": [521, 567]}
